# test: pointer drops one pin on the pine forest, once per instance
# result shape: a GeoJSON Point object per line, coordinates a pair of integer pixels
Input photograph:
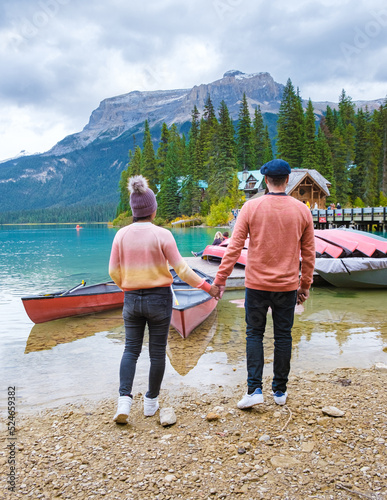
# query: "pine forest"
{"type": "Point", "coordinates": [197, 174]}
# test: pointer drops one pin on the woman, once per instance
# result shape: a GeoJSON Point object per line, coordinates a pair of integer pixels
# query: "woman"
{"type": "Point", "coordinates": [218, 238]}
{"type": "Point", "coordinates": [139, 265]}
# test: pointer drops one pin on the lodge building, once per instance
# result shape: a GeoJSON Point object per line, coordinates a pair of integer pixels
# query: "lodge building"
{"type": "Point", "coordinates": [306, 185]}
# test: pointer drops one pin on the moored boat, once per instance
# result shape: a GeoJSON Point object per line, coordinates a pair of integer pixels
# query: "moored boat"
{"type": "Point", "coordinates": [354, 245]}
{"type": "Point", "coordinates": [77, 301]}
{"type": "Point", "coordinates": [191, 305]}
{"type": "Point", "coordinates": [353, 272]}
{"type": "Point", "coordinates": [217, 251]}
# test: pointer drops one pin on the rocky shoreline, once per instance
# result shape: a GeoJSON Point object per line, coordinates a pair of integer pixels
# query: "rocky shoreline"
{"type": "Point", "coordinates": [214, 450]}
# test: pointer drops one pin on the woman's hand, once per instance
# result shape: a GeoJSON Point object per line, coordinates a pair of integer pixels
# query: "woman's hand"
{"type": "Point", "coordinates": [214, 291]}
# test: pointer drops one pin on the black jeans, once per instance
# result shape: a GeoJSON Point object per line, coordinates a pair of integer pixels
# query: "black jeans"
{"type": "Point", "coordinates": [256, 304]}
{"type": "Point", "coordinates": [151, 306]}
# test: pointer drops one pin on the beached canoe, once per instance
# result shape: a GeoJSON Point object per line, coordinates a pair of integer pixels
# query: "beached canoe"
{"type": "Point", "coordinates": [191, 306]}
{"type": "Point", "coordinates": [77, 301]}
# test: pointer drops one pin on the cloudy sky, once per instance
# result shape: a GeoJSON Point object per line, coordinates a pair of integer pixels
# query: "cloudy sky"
{"type": "Point", "coordinates": [60, 58]}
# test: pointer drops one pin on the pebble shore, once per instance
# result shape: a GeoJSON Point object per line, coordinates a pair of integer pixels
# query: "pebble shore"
{"type": "Point", "coordinates": [214, 451]}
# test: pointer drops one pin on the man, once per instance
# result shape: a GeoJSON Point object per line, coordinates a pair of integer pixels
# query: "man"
{"type": "Point", "coordinates": [279, 227]}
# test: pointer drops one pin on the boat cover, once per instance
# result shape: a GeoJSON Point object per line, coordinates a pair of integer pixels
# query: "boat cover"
{"type": "Point", "coordinates": [349, 265]}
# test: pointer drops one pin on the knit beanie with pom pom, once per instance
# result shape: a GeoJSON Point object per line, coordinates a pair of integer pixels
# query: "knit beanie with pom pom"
{"type": "Point", "coordinates": [142, 199]}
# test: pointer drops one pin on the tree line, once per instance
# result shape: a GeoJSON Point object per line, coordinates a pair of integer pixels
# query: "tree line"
{"type": "Point", "coordinates": [349, 147]}
{"type": "Point", "coordinates": [90, 213]}
{"type": "Point", "coordinates": [197, 174]}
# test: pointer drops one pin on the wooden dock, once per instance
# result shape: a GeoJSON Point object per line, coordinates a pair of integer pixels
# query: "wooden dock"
{"type": "Point", "coordinates": [367, 219]}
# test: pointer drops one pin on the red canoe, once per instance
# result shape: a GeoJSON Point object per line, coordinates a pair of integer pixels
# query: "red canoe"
{"type": "Point", "coordinates": [217, 252]}
{"type": "Point", "coordinates": [325, 249]}
{"type": "Point", "coordinates": [367, 243]}
{"type": "Point", "coordinates": [356, 247]}
{"type": "Point", "coordinates": [75, 302]}
{"type": "Point", "coordinates": [192, 308]}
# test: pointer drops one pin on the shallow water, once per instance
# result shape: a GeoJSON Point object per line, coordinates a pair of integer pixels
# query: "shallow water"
{"type": "Point", "coordinates": [78, 358]}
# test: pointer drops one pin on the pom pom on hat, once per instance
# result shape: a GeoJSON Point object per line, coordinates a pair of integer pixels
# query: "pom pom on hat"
{"type": "Point", "coordinates": [137, 184]}
{"type": "Point", "coordinates": [142, 199]}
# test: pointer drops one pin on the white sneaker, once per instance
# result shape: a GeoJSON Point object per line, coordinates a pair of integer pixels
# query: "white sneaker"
{"type": "Point", "coordinates": [250, 400]}
{"type": "Point", "coordinates": [151, 405]}
{"type": "Point", "coordinates": [280, 397]}
{"type": "Point", "coordinates": [123, 409]}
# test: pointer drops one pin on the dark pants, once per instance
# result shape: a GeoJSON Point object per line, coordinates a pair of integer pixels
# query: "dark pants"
{"type": "Point", "coordinates": [151, 306]}
{"type": "Point", "coordinates": [256, 304]}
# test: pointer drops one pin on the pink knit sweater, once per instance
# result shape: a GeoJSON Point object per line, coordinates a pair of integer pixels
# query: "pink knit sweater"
{"type": "Point", "coordinates": [280, 227]}
{"type": "Point", "coordinates": [141, 255]}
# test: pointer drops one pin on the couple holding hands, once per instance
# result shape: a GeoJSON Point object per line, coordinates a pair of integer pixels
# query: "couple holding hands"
{"type": "Point", "coordinates": [280, 230]}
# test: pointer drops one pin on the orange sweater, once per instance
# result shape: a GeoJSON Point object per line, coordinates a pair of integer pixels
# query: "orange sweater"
{"type": "Point", "coordinates": [279, 228]}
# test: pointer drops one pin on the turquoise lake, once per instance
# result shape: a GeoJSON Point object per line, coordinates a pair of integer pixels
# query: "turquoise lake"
{"type": "Point", "coordinates": [78, 358]}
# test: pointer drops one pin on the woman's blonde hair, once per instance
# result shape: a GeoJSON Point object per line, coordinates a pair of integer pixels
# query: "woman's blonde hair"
{"type": "Point", "coordinates": [218, 235]}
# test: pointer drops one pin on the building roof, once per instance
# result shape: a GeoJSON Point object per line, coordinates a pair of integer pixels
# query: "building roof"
{"type": "Point", "coordinates": [298, 174]}
{"type": "Point", "coordinates": [255, 173]}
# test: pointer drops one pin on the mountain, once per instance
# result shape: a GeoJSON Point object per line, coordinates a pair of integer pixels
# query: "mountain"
{"type": "Point", "coordinates": [84, 168]}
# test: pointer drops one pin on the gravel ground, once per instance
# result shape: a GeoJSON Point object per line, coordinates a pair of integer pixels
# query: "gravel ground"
{"type": "Point", "coordinates": [214, 450]}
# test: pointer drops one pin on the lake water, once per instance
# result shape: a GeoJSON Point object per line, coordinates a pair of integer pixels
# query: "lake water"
{"type": "Point", "coordinates": [74, 359]}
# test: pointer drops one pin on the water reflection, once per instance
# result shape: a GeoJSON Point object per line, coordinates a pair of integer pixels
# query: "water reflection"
{"type": "Point", "coordinates": [77, 358]}
{"type": "Point", "coordinates": [61, 331]}
{"type": "Point", "coordinates": [184, 354]}
{"type": "Point", "coordinates": [329, 313]}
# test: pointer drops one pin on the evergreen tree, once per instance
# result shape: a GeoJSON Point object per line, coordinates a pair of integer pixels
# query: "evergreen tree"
{"type": "Point", "coordinates": [149, 163]}
{"type": "Point", "coordinates": [226, 136]}
{"type": "Point", "coordinates": [325, 163]}
{"type": "Point", "coordinates": [346, 109]}
{"type": "Point", "coordinates": [339, 151]}
{"type": "Point", "coordinates": [167, 197]}
{"type": "Point", "coordinates": [223, 163]}
{"type": "Point", "coordinates": [191, 192]}
{"type": "Point", "coordinates": [259, 139]}
{"type": "Point", "coordinates": [371, 178]}
{"type": "Point", "coordinates": [331, 123]}
{"type": "Point", "coordinates": [382, 117]}
{"type": "Point", "coordinates": [123, 204]}
{"type": "Point", "coordinates": [268, 149]}
{"type": "Point", "coordinates": [135, 163]}
{"type": "Point", "coordinates": [208, 130]}
{"type": "Point", "coordinates": [290, 127]}
{"type": "Point", "coordinates": [309, 157]}
{"type": "Point", "coordinates": [362, 152]}
{"type": "Point", "coordinates": [133, 168]}
{"type": "Point", "coordinates": [245, 148]}
{"type": "Point", "coordinates": [162, 150]}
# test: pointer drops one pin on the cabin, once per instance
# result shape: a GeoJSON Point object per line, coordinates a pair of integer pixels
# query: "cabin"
{"type": "Point", "coordinates": [251, 182]}
{"type": "Point", "coordinates": [306, 185]}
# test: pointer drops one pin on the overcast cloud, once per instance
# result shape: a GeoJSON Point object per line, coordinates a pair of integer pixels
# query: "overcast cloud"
{"type": "Point", "coordinates": [60, 58]}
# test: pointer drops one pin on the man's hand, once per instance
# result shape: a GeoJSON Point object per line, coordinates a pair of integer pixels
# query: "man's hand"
{"type": "Point", "coordinates": [214, 291]}
{"type": "Point", "coordinates": [221, 289]}
{"type": "Point", "coordinates": [302, 295]}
